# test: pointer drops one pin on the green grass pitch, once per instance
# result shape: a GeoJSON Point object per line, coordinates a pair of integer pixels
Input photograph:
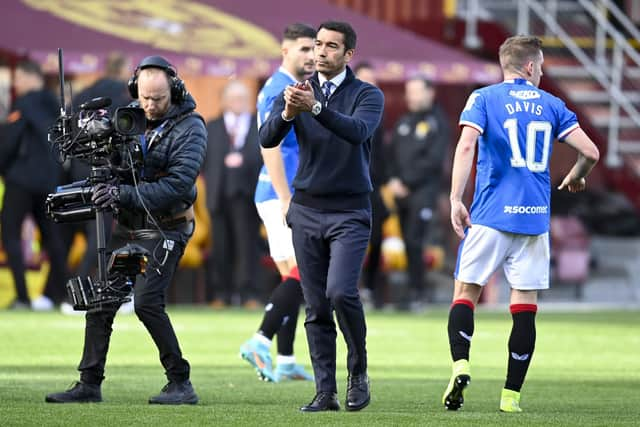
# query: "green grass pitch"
{"type": "Point", "coordinates": [585, 371]}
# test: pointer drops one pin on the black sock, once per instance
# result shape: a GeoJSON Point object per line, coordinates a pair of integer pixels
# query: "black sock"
{"type": "Point", "coordinates": [287, 332]}
{"type": "Point", "coordinates": [460, 328]}
{"type": "Point", "coordinates": [281, 312]}
{"type": "Point", "coordinates": [521, 344]}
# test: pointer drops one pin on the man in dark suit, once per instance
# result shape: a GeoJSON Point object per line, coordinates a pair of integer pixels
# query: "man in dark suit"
{"type": "Point", "coordinates": [334, 116]}
{"type": "Point", "coordinates": [231, 170]}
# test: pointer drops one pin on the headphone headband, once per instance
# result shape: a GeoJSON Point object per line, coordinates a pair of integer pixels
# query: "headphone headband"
{"type": "Point", "coordinates": [178, 90]}
{"type": "Point", "coordinates": [157, 62]}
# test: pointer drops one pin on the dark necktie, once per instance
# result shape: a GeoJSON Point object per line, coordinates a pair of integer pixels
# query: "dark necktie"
{"type": "Point", "coordinates": [233, 133]}
{"type": "Point", "coordinates": [326, 89]}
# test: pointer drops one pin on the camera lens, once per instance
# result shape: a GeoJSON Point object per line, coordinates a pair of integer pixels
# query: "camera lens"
{"type": "Point", "coordinates": [130, 121]}
{"type": "Point", "coordinates": [125, 122]}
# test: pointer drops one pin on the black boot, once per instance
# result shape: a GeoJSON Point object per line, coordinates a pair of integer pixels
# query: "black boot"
{"type": "Point", "coordinates": [358, 395]}
{"type": "Point", "coordinates": [79, 393]}
{"type": "Point", "coordinates": [176, 393]}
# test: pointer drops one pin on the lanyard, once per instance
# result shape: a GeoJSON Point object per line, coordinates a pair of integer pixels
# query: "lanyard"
{"type": "Point", "coordinates": [154, 134]}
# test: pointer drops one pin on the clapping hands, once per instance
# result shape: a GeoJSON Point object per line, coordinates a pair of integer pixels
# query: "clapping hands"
{"type": "Point", "coordinates": [298, 97]}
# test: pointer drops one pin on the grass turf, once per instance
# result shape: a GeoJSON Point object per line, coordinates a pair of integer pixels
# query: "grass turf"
{"type": "Point", "coordinates": [585, 371]}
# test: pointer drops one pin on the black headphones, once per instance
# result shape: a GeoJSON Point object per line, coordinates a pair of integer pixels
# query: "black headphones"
{"type": "Point", "coordinates": [178, 91]}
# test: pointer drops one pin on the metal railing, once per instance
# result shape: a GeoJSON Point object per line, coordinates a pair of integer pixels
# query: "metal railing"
{"type": "Point", "coordinates": [608, 71]}
{"type": "Point", "coordinates": [613, 85]}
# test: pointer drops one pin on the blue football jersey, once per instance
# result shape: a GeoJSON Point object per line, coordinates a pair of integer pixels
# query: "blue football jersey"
{"type": "Point", "coordinates": [289, 146]}
{"type": "Point", "coordinates": [518, 123]}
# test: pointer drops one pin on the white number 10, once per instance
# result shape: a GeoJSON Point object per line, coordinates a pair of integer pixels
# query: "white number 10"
{"type": "Point", "coordinates": [517, 161]}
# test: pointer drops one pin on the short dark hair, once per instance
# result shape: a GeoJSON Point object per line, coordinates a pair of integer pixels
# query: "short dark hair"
{"type": "Point", "coordinates": [362, 65]}
{"type": "Point", "coordinates": [30, 67]}
{"type": "Point", "coordinates": [299, 30]}
{"type": "Point", "coordinates": [348, 34]}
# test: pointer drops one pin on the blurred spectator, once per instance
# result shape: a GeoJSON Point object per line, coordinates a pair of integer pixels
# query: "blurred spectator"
{"type": "Point", "coordinates": [371, 292]}
{"type": "Point", "coordinates": [231, 170]}
{"type": "Point", "coordinates": [31, 172]}
{"type": "Point", "coordinates": [112, 85]}
{"type": "Point", "coordinates": [418, 147]}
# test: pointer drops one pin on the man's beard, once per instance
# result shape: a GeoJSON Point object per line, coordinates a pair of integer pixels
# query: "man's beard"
{"type": "Point", "coordinates": [302, 71]}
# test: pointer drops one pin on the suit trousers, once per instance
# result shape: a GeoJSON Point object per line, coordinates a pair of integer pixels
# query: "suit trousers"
{"type": "Point", "coordinates": [414, 215]}
{"type": "Point", "coordinates": [235, 259]}
{"type": "Point", "coordinates": [330, 248]}
{"type": "Point", "coordinates": [149, 301]}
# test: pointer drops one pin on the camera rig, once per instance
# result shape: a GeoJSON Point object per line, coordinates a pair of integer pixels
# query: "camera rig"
{"type": "Point", "coordinates": [124, 265]}
{"type": "Point", "coordinates": [111, 148]}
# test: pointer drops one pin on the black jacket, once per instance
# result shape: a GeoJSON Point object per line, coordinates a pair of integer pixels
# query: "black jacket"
{"type": "Point", "coordinates": [418, 148]}
{"type": "Point", "coordinates": [216, 173]}
{"type": "Point", "coordinates": [171, 165]}
{"type": "Point", "coordinates": [31, 163]}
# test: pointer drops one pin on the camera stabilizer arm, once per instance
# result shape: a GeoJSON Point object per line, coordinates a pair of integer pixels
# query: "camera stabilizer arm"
{"type": "Point", "coordinates": [93, 136]}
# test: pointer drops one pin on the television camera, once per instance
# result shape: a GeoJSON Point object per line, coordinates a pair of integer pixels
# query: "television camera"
{"type": "Point", "coordinates": [110, 146]}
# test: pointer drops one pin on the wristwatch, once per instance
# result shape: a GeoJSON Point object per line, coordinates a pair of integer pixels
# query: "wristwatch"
{"type": "Point", "coordinates": [317, 107]}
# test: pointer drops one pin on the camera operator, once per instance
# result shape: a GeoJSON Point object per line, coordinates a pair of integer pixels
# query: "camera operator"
{"type": "Point", "coordinates": [173, 147]}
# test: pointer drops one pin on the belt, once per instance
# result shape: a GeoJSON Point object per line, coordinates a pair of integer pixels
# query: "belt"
{"type": "Point", "coordinates": [144, 234]}
{"type": "Point", "coordinates": [147, 233]}
{"type": "Point", "coordinates": [172, 221]}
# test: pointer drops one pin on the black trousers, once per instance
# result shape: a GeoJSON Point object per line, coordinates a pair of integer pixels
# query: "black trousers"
{"type": "Point", "coordinates": [17, 203]}
{"type": "Point", "coordinates": [414, 216]}
{"type": "Point", "coordinates": [233, 265]}
{"type": "Point", "coordinates": [330, 247]}
{"type": "Point", "coordinates": [149, 301]}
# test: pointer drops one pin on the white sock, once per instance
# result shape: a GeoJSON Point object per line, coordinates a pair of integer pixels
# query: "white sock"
{"type": "Point", "coordinates": [285, 360]}
{"type": "Point", "coordinates": [262, 339]}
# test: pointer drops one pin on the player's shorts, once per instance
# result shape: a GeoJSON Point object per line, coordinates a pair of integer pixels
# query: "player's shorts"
{"type": "Point", "coordinates": [278, 234]}
{"type": "Point", "coordinates": [524, 259]}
